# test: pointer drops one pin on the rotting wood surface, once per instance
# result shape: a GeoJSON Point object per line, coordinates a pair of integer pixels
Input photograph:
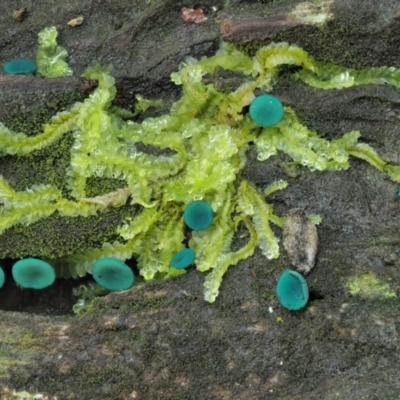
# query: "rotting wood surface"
{"type": "Point", "coordinates": [161, 340]}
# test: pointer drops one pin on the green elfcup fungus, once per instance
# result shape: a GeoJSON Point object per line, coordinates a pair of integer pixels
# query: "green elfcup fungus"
{"type": "Point", "coordinates": [112, 274]}
{"type": "Point", "coordinates": [2, 277]}
{"type": "Point", "coordinates": [20, 66]}
{"type": "Point", "coordinates": [198, 215]}
{"type": "Point", "coordinates": [182, 259]}
{"type": "Point", "coordinates": [266, 110]}
{"type": "Point", "coordinates": [292, 290]}
{"type": "Point", "coordinates": [33, 273]}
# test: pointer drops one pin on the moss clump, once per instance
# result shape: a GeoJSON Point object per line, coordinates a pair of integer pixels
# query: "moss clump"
{"type": "Point", "coordinates": [369, 286]}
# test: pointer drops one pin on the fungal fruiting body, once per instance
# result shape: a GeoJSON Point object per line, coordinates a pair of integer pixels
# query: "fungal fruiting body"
{"type": "Point", "coordinates": [292, 290]}
{"type": "Point", "coordinates": [33, 273]}
{"type": "Point", "coordinates": [198, 215]}
{"type": "Point", "coordinates": [183, 259]}
{"type": "Point", "coordinates": [112, 274]}
{"type": "Point", "coordinates": [2, 277]}
{"type": "Point", "coordinates": [20, 66]}
{"type": "Point", "coordinates": [266, 110]}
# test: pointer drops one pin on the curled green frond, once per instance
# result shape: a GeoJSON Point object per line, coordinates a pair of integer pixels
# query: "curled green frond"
{"type": "Point", "coordinates": [140, 224]}
{"type": "Point", "coordinates": [26, 207]}
{"type": "Point", "coordinates": [367, 153]}
{"type": "Point", "coordinates": [252, 204]}
{"type": "Point", "coordinates": [275, 186]}
{"type": "Point", "coordinates": [214, 278]}
{"type": "Point", "coordinates": [301, 144]}
{"type": "Point", "coordinates": [338, 78]}
{"type": "Point", "coordinates": [144, 104]}
{"type": "Point", "coordinates": [17, 143]}
{"type": "Point", "coordinates": [37, 194]}
{"type": "Point", "coordinates": [50, 58]}
{"type": "Point", "coordinates": [331, 76]}
{"type": "Point", "coordinates": [393, 172]}
{"type": "Point", "coordinates": [268, 58]}
{"type": "Point", "coordinates": [213, 163]}
{"type": "Point", "coordinates": [25, 215]}
{"type": "Point", "coordinates": [314, 218]}
{"type": "Point", "coordinates": [161, 242]}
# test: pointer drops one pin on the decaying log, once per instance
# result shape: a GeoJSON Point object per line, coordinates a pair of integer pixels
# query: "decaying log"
{"type": "Point", "coordinates": [161, 340]}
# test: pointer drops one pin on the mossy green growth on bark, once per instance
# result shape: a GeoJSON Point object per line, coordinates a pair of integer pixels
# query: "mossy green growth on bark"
{"type": "Point", "coordinates": [207, 134]}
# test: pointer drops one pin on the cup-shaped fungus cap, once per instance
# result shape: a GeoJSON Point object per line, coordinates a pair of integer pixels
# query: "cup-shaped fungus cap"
{"type": "Point", "coordinates": [112, 274]}
{"type": "Point", "coordinates": [266, 110]}
{"type": "Point", "coordinates": [33, 273]}
{"type": "Point", "coordinates": [20, 66]}
{"type": "Point", "coordinates": [182, 259]}
{"type": "Point", "coordinates": [198, 215]}
{"type": "Point", "coordinates": [2, 277]}
{"type": "Point", "coordinates": [292, 290]}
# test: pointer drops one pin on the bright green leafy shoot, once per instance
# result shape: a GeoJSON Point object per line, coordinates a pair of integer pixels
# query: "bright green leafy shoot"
{"type": "Point", "coordinates": [207, 134]}
{"type": "Point", "coordinates": [50, 58]}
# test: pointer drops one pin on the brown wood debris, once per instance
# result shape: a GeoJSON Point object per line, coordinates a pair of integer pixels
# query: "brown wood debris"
{"type": "Point", "coordinates": [239, 29]}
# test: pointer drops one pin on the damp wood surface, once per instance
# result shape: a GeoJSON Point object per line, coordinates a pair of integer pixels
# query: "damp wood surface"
{"type": "Point", "coordinates": [162, 340]}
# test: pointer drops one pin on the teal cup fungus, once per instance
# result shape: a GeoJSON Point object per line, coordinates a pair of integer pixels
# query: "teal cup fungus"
{"type": "Point", "coordinates": [182, 259]}
{"type": "Point", "coordinates": [20, 66]}
{"type": "Point", "coordinates": [292, 290]}
{"type": "Point", "coordinates": [266, 110]}
{"type": "Point", "coordinates": [198, 215]}
{"type": "Point", "coordinates": [112, 274]}
{"type": "Point", "coordinates": [2, 277]}
{"type": "Point", "coordinates": [33, 273]}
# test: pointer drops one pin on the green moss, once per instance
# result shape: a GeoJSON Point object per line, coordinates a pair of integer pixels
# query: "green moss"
{"type": "Point", "coordinates": [50, 57]}
{"type": "Point", "coordinates": [369, 286]}
{"type": "Point", "coordinates": [38, 107]}
{"type": "Point", "coordinates": [16, 348]}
